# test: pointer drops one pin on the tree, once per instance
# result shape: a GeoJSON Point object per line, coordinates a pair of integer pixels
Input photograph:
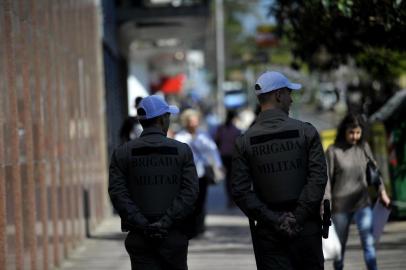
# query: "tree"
{"type": "Point", "coordinates": [238, 43]}
{"type": "Point", "coordinates": [327, 33]}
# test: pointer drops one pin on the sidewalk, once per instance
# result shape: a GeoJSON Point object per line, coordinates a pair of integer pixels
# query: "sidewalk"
{"type": "Point", "coordinates": [390, 250]}
{"type": "Point", "coordinates": [226, 245]}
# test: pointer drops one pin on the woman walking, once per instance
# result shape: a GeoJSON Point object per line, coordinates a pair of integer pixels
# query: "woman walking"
{"type": "Point", "coordinates": [347, 160]}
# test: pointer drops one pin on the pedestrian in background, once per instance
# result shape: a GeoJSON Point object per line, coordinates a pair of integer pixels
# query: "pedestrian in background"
{"type": "Point", "coordinates": [131, 127]}
{"type": "Point", "coordinates": [153, 185]}
{"type": "Point", "coordinates": [225, 137]}
{"type": "Point", "coordinates": [278, 180]}
{"type": "Point", "coordinates": [206, 158]}
{"type": "Point", "coordinates": [347, 160]}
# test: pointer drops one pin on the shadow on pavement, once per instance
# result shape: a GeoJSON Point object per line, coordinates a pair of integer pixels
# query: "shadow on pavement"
{"type": "Point", "coordinates": [109, 236]}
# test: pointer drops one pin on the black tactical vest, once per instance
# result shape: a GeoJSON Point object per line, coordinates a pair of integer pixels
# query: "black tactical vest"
{"type": "Point", "coordinates": [279, 164]}
{"type": "Point", "coordinates": [155, 178]}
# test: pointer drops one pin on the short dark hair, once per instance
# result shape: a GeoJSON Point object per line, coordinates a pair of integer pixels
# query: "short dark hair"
{"type": "Point", "coordinates": [264, 98]}
{"type": "Point", "coordinates": [138, 101]}
{"type": "Point", "coordinates": [351, 120]}
{"type": "Point", "coordinates": [231, 114]}
{"type": "Point", "coordinates": [146, 122]}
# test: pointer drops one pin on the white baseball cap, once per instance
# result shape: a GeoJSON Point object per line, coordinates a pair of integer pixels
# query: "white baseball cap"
{"type": "Point", "coordinates": [272, 80]}
{"type": "Point", "coordinates": [154, 106]}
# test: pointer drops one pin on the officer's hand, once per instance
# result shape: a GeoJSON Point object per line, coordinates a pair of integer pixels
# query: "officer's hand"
{"type": "Point", "coordinates": [286, 221]}
{"type": "Point", "coordinates": [288, 225]}
{"type": "Point", "coordinates": [156, 230]}
{"type": "Point", "coordinates": [136, 223]}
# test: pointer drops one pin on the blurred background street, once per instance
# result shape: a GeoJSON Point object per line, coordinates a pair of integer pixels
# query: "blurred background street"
{"type": "Point", "coordinates": [72, 72]}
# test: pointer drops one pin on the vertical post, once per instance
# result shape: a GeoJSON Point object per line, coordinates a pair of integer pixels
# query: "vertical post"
{"type": "Point", "coordinates": [13, 137]}
{"type": "Point", "coordinates": [60, 43]}
{"type": "Point", "coordinates": [3, 213]}
{"type": "Point", "coordinates": [28, 203]}
{"type": "Point", "coordinates": [52, 87]}
{"type": "Point", "coordinates": [86, 210]}
{"type": "Point", "coordinates": [3, 98]}
{"type": "Point", "coordinates": [39, 141]}
{"type": "Point", "coordinates": [220, 56]}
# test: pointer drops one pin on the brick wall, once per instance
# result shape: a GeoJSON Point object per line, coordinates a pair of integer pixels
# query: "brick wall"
{"type": "Point", "coordinates": [52, 129]}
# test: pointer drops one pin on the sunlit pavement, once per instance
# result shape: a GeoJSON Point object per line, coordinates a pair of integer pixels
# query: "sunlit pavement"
{"type": "Point", "coordinates": [225, 245]}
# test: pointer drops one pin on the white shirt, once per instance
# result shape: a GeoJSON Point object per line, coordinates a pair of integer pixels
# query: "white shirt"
{"type": "Point", "coordinates": [204, 150]}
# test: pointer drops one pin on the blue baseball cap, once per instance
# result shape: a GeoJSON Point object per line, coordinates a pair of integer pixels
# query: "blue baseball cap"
{"type": "Point", "coordinates": [272, 80]}
{"type": "Point", "coordinates": [154, 106]}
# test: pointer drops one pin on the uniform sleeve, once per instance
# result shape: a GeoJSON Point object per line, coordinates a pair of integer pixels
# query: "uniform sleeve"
{"type": "Point", "coordinates": [119, 194]}
{"type": "Point", "coordinates": [242, 191]}
{"type": "Point", "coordinates": [313, 192]}
{"type": "Point", "coordinates": [368, 150]}
{"type": "Point", "coordinates": [184, 202]}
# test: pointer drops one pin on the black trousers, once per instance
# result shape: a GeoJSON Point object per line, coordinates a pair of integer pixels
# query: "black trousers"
{"type": "Point", "coordinates": [273, 251]}
{"type": "Point", "coordinates": [166, 254]}
{"type": "Point", "coordinates": [227, 162]}
{"type": "Point", "coordinates": [194, 224]}
{"type": "Point", "coordinates": [199, 213]}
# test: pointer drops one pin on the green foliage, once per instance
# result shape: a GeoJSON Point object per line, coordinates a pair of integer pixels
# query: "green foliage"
{"type": "Point", "coordinates": [382, 62]}
{"type": "Point", "coordinates": [237, 43]}
{"type": "Point", "coordinates": [325, 33]}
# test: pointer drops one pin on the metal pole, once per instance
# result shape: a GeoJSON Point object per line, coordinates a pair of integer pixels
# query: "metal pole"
{"type": "Point", "coordinates": [220, 56]}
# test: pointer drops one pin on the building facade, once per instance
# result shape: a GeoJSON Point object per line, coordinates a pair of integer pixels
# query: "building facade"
{"type": "Point", "coordinates": [53, 164]}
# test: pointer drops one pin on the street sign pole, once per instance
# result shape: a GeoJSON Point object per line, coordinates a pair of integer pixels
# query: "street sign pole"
{"type": "Point", "coordinates": [220, 57]}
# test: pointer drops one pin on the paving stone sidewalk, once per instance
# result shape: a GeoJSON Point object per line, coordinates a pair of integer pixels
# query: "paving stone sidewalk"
{"type": "Point", "coordinates": [226, 245]}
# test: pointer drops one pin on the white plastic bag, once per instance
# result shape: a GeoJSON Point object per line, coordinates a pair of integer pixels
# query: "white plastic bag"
{"type": "Point", "coordinates": [331, 245]}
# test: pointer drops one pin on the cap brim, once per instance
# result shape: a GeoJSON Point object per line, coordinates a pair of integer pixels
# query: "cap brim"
{"type": "Point", "coordinates": [173, 109]}
{"type": "Point", "coordinates": [294, 86]}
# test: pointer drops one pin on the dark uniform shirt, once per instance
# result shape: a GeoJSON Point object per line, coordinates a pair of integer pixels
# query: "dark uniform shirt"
{"type": "Point", "coordinates": [279, 165]}
{"type": "Point", "coordinates": [152, 178]}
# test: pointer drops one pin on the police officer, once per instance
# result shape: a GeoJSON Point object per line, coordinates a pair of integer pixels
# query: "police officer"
{"type": "Point", "coordinates": [278, 180]}
{"type": "Point", "coordinates": [153, 185]}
